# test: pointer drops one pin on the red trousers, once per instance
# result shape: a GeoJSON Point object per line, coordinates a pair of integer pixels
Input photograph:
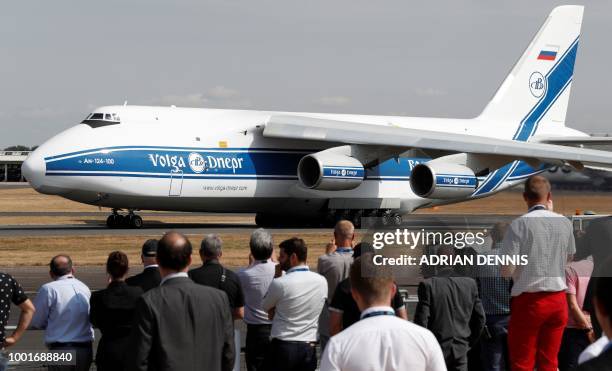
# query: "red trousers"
{"type": "Point", "coordinates": [537, 321]}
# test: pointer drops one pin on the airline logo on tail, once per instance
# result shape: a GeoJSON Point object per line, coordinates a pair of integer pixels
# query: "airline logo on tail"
{"type": "Point", "coordinates": [537, 84]}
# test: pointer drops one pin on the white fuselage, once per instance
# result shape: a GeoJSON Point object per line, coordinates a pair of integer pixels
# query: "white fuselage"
{"type": "Point", "coordinates": [187, 159]}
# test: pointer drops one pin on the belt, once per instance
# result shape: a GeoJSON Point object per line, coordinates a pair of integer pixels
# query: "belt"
{"type": "Point", "coordinates": [311, 343]}
{"type": "Point", "coordinates": [258, 325]}
{"type": "Point", "coordinates": [84, 344]}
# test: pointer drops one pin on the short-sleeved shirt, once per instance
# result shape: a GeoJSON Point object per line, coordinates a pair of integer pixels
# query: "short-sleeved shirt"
{"type": "Point", "coordinates": [62, 309]}
{"type": "Point", "coordinates": [547, 239]}
{"type": "Point", "coordinates": [383, 343]}
{"type": "Point", "coordinates": [577, 276]}
{"type": "Point", "coordinates": [255, 281]}
{"type": "Point", "coordinates": [343, 302]}
{"type": "Point", "coordinates": [10, 292]}
{"type": "Point", "coordinates": [298, 299]}
{"type": "Point", "coordinates": [335, 267]}
{"type": "Point", "coordinates": [213, 274]}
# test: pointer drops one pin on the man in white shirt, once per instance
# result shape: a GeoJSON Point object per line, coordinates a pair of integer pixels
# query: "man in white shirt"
{"type": "Point", "coordinates": [294, 302]}
{"type": "Point", "coordinates": [538, 310]}
{"type": "Point", "coordinates": [380, 340]}
{"type": "Point", "coordinates": [62, 310]}
{"type": "Point", "coordinates": [255, 281]}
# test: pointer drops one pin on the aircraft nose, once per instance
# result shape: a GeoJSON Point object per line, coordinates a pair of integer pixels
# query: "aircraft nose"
{"type": "Point", "coordinates": [33, 169]}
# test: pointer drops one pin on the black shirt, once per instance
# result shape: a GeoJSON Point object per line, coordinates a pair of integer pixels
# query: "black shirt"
{"type": "Point", "coordinates": [213, 274]}
{"type": "Point", "coordinates": [112, 311]}
{"type": "Point", "coordinates": [344, 302]}
{"type": "Point", "coordinates": [10, 292]}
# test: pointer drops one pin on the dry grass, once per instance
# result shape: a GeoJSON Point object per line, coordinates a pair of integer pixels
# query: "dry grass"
{"type": "Point", "coordinates": [93, 250]}
{"type": "Point", "coordinates": [27, 199]}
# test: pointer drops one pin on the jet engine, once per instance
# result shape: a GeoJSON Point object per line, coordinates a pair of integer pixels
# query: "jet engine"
{"type": "Point", "coordinates": [441, 180]}
{"type": "Point", "coordinates": [330, 171]}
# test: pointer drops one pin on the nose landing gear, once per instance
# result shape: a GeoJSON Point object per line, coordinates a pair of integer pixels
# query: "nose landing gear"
{"type": "Point", "coordinates": [131, 220]}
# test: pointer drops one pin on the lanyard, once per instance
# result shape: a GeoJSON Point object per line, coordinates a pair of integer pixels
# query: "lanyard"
{"type": "Point", "coordinates": [378, 313]}
{"type": "Point", "coordinates": [536, 207]}
{"type": "Point", "coordinates": [344, 250]}
{"type": "Point", "coordinates": [298, 270]}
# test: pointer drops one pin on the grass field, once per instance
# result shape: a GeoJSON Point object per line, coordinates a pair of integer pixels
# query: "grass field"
{"type": "Point", "coordinates": [92, 250]}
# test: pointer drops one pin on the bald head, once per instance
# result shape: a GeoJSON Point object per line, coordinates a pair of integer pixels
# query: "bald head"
{"type": "Point", "coordinates": [344, 233]}
{"type": "Point", "coordinates": [60, 265]}
{"type": "Point", "coordinates": [174, 251]}
{"type": "Point", "coordinates": [537, 190]}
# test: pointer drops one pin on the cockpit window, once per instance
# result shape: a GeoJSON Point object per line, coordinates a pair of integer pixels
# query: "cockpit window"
{"type": "Point", "coordinates": [96, 119]}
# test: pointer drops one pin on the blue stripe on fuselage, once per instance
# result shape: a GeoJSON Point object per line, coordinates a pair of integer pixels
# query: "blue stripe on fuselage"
{"type": "Point", "coordinates": [258, 164]}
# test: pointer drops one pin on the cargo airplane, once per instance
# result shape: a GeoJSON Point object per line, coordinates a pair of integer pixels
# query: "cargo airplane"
{"type": "Point", "coordinates": [314, 168]}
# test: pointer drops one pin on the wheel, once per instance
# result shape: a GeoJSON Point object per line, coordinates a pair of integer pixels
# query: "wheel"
{"type": "Point", "coordinates": [341, 215]}
{"type": "Point", "coordinates": [329, 221]}
{"type": "Point", "coordinates": [386, 218]}
{"type": "Point", "coordinates": [135, 221]}
{"type": "Point", "coordinates": [397, 219]}
{"type": "Point", "coordinates": [111, 221]}
{"type": "Point", "coordinates": [356, 218]}
{"type": "Point", "coordinates": [122, 221]}
{"type": "Point", "coordinates": [264, 220]}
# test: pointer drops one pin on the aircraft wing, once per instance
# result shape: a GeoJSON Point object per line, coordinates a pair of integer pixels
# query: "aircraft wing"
{"type": "Point", "coordinates": [315, 129]}
{"type": "Point", "coordinates": [603, 143]}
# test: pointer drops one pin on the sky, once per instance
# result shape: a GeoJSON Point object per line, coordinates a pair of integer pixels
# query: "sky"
{"type": "Point", "coordinates": [60, 59]}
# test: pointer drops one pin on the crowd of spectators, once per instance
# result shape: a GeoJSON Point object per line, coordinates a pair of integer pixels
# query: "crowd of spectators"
{"type": "Point", "coordinates": [553, 313]}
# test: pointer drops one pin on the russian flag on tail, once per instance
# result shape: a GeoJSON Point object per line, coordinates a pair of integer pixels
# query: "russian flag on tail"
{"type": "Point", "coordinates": [549, 53]}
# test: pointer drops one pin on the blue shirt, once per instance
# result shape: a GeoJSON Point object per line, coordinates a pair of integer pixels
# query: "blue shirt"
{"type": "Point", "coordinates": [62, 309]}
{"type": "Point", "coordinates": [255, 281]}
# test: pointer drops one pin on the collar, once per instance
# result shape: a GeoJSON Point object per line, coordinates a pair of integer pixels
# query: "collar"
{"type": "Point", "coordinates": [152, 266]}
{"type": "Point", "coordinates": [116, 283]}
{"type": "Point", "coordinates": [537, 207]}
{"type": "Point", "coordinates": [376, 311]}
{"type": "Point", "coordinates": [64, 277]}
{"type": "Point", "coordinates": [259, 262]}
{"type": "Point", "coordinates": [607, 347]}
{"type": "Point", "coordinates": [173, 275]}
{"type": "Point", "coordinates": [299, 268]}
{"type": "Point", "coordinates": [212, 261]}
{"type": "Point", "coordinates": [344, 250]}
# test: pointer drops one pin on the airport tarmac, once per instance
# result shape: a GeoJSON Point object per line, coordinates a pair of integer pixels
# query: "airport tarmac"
{"type": "Point", "coordinates": [14, 185]}
{"type": "Point", "coordinates": [157, 227]}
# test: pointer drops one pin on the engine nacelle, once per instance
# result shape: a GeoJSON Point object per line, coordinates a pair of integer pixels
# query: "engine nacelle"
{"type": "Point", "coordinates": [330, 171]}
{"type": "Point", "coordinates": [441, 180]}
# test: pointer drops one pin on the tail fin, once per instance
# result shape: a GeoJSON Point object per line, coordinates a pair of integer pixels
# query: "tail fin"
{"type": "Point", "coordinates": [536, 92]}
